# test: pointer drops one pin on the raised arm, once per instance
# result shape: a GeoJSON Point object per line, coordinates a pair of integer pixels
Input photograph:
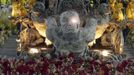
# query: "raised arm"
{"type": "Point", "coordinates": [51, 28]}
{"type": "Point", "coordinates": [88, 31]}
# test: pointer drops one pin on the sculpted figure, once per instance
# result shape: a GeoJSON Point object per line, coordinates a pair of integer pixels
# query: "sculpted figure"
{"type": "Point", "coordinates": [33, 34]}
{"type": "Point", "coordinates": [110, 34]}
{"type": "Point", "coordinates": [102, 17]}
{"type": "Point", "coordinates": [67, 35]}
{"type": "Point", "coordinates": [38, 18]}
{"type": "Point", "coordinates": [30, 37]}
{"type": "Point", "coordinates": [113, 37]}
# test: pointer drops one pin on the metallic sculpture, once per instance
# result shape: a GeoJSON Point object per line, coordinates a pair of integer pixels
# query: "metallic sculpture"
{"type": "Point", "coordinates": [33, 28]}
{"type": "Point", "coordinates": [111, 32]}
{"type": "Point", "coordinates": [72, 29]}
{"type": "Point", "coordinates": [67, 35]}
{"type": "Point", "coordinates": [101, 14]}
{"type": "Point", "coordinates": [30, 37]}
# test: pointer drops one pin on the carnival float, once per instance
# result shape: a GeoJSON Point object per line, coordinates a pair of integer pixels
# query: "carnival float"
{"type": "Point", "coordinates": [69, 37]}
{"type": "Point", "coordinates": [33, 18]}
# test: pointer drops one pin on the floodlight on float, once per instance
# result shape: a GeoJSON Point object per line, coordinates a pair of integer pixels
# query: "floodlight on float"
{"type": "Point", "coordinates": [105, 53]}
{"type": "Point", "coordinates": [74, 20]}
{"type": "Point", "coordinates": [33, 51]}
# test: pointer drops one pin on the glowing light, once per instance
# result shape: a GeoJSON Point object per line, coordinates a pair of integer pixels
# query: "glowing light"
{"type": "Point", "coordinates": [105, 53]}
{"type": "Point", "coordinates": [74, 20]}
{"type": "Point", "coordinates": [33, 51]}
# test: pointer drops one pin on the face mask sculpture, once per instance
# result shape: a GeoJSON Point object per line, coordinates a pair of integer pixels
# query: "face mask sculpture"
{"type": "Point", "coordinates": [67, 35]}
{"type": "Point", "coordinates": [70, 22]}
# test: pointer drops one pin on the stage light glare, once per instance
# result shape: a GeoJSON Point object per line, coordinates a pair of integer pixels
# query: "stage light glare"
{"type": "Point", "coordinates": [74, 20]}
{"type": "Point", "coordinates": [33, 51]}
{"type": "Point", "coordinates": [105, 53]}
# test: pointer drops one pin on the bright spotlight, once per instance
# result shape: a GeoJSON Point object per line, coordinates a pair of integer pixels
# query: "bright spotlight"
{"type": "Point", "coordinates": [74, 20]}
{"type": "Point", "coordinates": [105, 53]}
{"type": "Point", "coordinates": [33, 51]}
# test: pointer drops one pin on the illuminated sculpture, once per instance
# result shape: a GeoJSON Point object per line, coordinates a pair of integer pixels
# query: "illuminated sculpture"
{"type": "Point", "coordinates": [34, 28]}
{"type": "Point", "coordinates": [116, 9]}
{"type": "Point", "coordinates": [109, 34]}
{"type": "Point", "coordinates": [18, 8]}
{"type": "Point", "coordinates": [73, 34]}
{"type": "Point", "coordinates": [29, 38]}
{"type": "Point", "coordinates": [130, 10]}
{"type": "Point", "coordinates": [38, 18]}
{"type": "Point", "coordinates": [67, 35]}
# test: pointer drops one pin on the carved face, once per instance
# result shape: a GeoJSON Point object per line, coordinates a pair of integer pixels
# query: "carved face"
{"type": "Point", "coordinates": [70, 22]}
